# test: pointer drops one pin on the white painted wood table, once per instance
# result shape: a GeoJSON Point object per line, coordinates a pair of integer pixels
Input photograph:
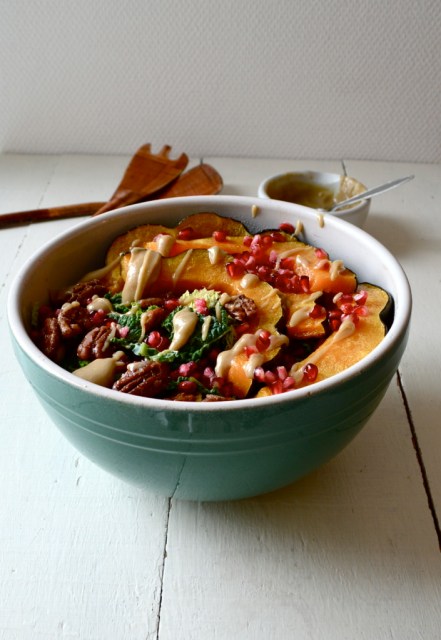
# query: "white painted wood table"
{"type": "Point", "coordinates": [350, 552]}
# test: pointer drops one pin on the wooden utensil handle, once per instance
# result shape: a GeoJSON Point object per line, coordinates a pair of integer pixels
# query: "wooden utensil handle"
{"type": "Point", "coordinates": [52, 213]}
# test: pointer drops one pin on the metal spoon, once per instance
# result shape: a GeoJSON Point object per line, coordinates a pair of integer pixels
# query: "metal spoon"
{"type": "Point", "coordinates": [369, 193]}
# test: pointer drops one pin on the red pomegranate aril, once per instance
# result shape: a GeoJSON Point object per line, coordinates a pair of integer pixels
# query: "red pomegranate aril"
{"type": "Point", "coordinates": [321, 253]}
{"type": "Point", "coordinates": [361, 311]}
{"type": "Point", "coordinates": [187, 386]}
{"type": "Point", "coordinates": [270, 377]}
{"type": "Point", "coordinates": [250, 350]}
{"type": "Point", "coordinates": [287, 227]}
{"type": "Point", "coordinates": [277, 236]}
{"type": "Point", "coordinates": [347, 308]}
{"type": "Point", "coordinates": [235, 269]}
{"type": "Point", "coordinates": [187, 369]}
{"type": "Point", "coordinates": [186, 234]}
{"type": "Point", "coordinates": [360, 297]}
{"type": "Point", "coordinates": [277, 387]}
{"type": "Point", "coordinates": [247, 240]}
{"type": "Point", "coordinates": [220, 235]}
{"type": "Point", "coordinates": [282, 373]}
{"type": "Point", "coordinates": [154, 339]}
{"type": "Point", "coordinates": [263, 341]}
{"type": "Point", "coordinates": [170, 304]}
{"type": "Point", "coordinates": [317, 311]}
{"type": "Point", "coordinates": [243, 327]}
{"type": "Point", "coordinates": [310, 372]}
{"type": "Point", "coordinates": [288, 383]}
{"type": "Point", "coordinates": [259, 374]}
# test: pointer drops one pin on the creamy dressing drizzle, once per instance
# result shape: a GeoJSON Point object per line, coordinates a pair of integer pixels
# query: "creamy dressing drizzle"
{"type": "Point", "coordinates": [206, 326]}
{"type": "Point", "coordinates": [299, 228]}
{"type": "Point", "coordinates": [225, 358]}
{"type": "Point", "coordinates": [103, 271]}
{"type": "Point", "coordinates": [304, 309]}
{"type": "Point", "coordinates": [335, 269]}
{"type": "Point", "coordinates": [249, 280]}
{"type": "Point", "coordinates": [216, 254]}
{"type": "Point", "coordinates": [100, 304]}
{"type": "Point", "coordinates": [177, 274]}
{"type": "Point", "coordinates": [164, 244]}
{"type": "Point", "coordinates": [184, 323]}
{"type": "Point", "coordinates": [100, 371]}
{"type": "Point", "coordinates": [144, 267]}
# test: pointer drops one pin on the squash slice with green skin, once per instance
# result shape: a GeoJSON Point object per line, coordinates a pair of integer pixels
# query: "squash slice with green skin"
{"type": "Point", "coordinates": [334, 356]}
{"type": "Point", "coordinates": [324, 274]}
{"type": "Point", "coordinates": [193, 270]}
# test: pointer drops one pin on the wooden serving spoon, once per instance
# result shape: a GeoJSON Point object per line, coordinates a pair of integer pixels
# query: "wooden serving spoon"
{"type": "Point", "coordinates": [146, 175]}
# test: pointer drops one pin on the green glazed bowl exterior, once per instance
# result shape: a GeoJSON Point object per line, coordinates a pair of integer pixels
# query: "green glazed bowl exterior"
{"type": "Point", "coordinates": [208, 451]}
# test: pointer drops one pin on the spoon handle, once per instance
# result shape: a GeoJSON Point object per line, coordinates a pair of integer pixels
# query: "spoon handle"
{"type": "Point", "coordinates": [371, 192]}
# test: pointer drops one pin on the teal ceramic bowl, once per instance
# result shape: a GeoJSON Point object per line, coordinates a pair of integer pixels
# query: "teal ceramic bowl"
{"type": "Point", "coordinates": [218, 450]}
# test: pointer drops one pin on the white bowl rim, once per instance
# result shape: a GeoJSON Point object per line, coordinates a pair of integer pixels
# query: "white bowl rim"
{"type": "Point", "coordinates": [387, 345]}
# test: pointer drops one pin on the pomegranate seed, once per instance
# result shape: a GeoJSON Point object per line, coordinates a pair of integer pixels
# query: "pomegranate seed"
{"type": "Point", "coordinates": [310, 372]}
{"type": "Point", "coordinates": [288, 383]}
{"type": "Point", "coordinates": [282, 373]}
{"type": "Point", "coordinates": [334, 324]}
{"type": "Point", "coordinates": [235, 269]}
{"type": "Point", "coordinates": [317, 311]}
{"type": "Point", "coordinates": [347, 308]}
{"type": "Point", "coordinates": [277, 387]}
{"type": "Point", "coordinates": [270, 377]}
{"type": "Point", "coordinates": [186, 234]}
{"type": "Point", "coordinates": [263, 341]}
{"type": "Point", "coordinates": [287, 227]}
{"type": "Point", "coordinates": [250, 350]}
{"type": "Point", "coordinates": [154, 338]}
{"type": "Point", "coordinates": [170, 304]}
{"type": "Point", "coordinates": [321, 254]}
{"type": "Point", "coordinates": [187, 368]}
{"type": "Point", "coordinates": [277, 237]}
{"type": "Point", "coordinates": [259, 374]}
{"type": "Point", "coordinates": [361, 311]}
{"type": "Point", "coordinates": [247, 240]}
{"type": "Point", "coordinates": [220, 236]}
{"type": "Point", "coordinates": [360, 297]}
{"type": "Point", "coordinates": [267, 241]}
{"type": "Point", "coordinates": [242, 328]}
{"type": "Point", "coordinates": [200, 306]}
{"type": "Point", "coordinates": [187, 386]}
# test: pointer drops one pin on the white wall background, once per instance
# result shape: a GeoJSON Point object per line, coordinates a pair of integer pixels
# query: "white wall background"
{"type": "Point", "coordinates": [278, 78]}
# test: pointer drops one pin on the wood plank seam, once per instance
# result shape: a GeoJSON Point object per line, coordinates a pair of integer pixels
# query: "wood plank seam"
{"type": "Point", "coordinates": [420, 460]}
{"type": "Point", "coordinates": [161, 577]}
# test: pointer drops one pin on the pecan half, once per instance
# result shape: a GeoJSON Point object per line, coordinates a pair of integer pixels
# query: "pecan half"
{"type": "Point", "coordinates": [83, 292]}
{"type": "Point", "coordinates": [147, 379]}
{"type": "Point", "coordinates": [73, 319]}
{"type": "Point", "coordinates": [50, 340]}
{"type": "Point", "coordinates": [152, 318]}
{"type": "Point", "coordinates": [241, 307]}
{"type": "Point", "coordinates": [96, 344]}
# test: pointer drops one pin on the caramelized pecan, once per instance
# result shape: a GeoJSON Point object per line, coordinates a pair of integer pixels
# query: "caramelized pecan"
{"type": "Point", "coordinates": [149, 302]}
{"type": "Point", "coordinates": [50, 340]}
{"type": "Point", "coordinates": [152, 318]}
{"type": "Point", "coordinates": [83, 292]}
{"type": "Point", "coordinates": [73, 319]}
{"type": "Point", "coordinates": [96, 344]}
{"type": "Point", "coordinates": [241, 307]}
{"type": "Point", "coordinates": [147, 379]}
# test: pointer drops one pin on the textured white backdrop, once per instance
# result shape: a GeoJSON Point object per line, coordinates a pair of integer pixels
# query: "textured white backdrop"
{"type": "Point", "coordinates": [277, 78]}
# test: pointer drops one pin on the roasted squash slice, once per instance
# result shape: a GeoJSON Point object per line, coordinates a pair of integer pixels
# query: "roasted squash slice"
{"type": "Point", "coordinates": [335, 354]}
{"type": "Point", "coordinates": [193, 270]}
